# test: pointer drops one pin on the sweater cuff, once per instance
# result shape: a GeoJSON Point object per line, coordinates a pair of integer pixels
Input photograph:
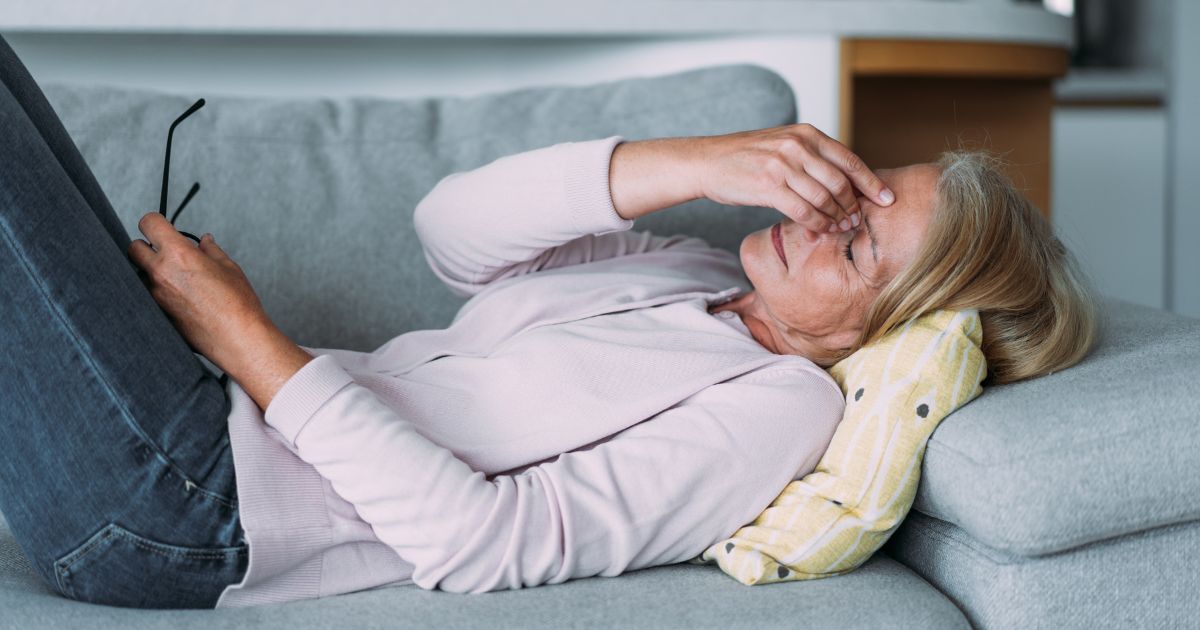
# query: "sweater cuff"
{"type": "Point", "coordinates": [589, 199]}
{"type": "Point", "coordinates": [303, 394]}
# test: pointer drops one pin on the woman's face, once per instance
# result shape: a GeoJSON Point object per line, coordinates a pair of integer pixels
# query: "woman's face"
{"type": "Point", "coordinates": [815, 303]}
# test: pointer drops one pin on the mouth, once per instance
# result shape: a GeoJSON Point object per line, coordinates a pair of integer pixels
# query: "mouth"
{"type": "Point", "coordinates": [777, 241]}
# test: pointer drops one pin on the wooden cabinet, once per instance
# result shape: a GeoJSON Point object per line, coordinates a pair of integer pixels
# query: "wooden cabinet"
{"type": "Point", "coordinates": [905, 101]}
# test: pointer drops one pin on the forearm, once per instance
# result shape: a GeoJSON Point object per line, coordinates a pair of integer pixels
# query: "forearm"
{"type": "Point", "coordinates": [261, 360]}
{"type": "Point", "coordinates": [649, 175]}
{"type": "Point", "coordinates": [499, 220]}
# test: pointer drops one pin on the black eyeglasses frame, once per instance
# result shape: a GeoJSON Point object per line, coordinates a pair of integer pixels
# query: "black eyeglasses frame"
{"type": "Point", "coordinates": [162, 202]}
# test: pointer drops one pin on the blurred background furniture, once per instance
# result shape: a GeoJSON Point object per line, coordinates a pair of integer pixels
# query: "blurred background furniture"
{"type": "Point", "coordinates": [897, 79]}
{"type": "Point", "coordinates": [1070, 501]}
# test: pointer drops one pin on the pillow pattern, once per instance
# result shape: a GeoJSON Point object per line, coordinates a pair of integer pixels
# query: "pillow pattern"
{"type": "Point", "coordinates": [897, 391]}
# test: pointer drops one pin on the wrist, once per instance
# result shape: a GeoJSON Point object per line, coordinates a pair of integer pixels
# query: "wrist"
{"type": "Point", "coordinates": [239, 340]}
{"type": "Point", "coordinates": [264, 360]}
{"type": "Point", "coordinates": [693, 165]}
{"type": "Point", "coordinates": [648, 175]}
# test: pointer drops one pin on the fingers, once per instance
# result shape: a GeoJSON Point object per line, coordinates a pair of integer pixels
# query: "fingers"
{"type": "Point", "coordinates": [160, 232]}
{"type": "Point", "coordinates": [800, 210]}
{"type": "Point", "coordinates": [817, 197]}
{"type": "Point", "coordinates": [210, 247]}
{"type": "Point", "coordinates": [843, 191]}
{"type": "Point", "coordinates": [141, 254]}
{"type": "Point", "coordinates": [863, 178]}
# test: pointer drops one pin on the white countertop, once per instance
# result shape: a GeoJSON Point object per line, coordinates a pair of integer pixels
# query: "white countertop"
{"type": "Point", "coordinates": [973, 20]}
{"type": "Point", "coordinates": [1083, 85]}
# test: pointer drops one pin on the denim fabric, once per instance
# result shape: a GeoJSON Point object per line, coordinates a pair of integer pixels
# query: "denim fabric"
{"type": "Point", "coordinates": [116, 473]}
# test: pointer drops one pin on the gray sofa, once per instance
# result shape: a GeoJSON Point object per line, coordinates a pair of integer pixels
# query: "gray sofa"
{"type": "Point", "coordinates": [1070, 501]}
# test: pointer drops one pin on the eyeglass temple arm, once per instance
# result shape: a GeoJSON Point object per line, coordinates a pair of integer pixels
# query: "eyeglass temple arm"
{"type": "Point", "coordinates": [188, 197]}
{"type": "Point", "coordinates": [162, 201]}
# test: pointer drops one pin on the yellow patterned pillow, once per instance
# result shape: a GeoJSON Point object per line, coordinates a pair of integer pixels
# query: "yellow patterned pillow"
{"type": "Point", "coordinates": [833, 520]}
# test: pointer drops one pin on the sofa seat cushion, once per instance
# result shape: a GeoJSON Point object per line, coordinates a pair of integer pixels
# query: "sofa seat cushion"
{"type": "Point", "coordinates": [1104, 448]}
{"type": "Point", "coordinates": [880, 594]}
{"type": "Point", "coordinates": [1147, 579]}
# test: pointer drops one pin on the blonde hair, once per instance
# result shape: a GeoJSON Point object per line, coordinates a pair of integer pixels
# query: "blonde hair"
{"type": "Point", "coordinates": [988, 248]}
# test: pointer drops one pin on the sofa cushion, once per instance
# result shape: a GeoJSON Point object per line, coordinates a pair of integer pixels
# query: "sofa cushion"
{"type": "Point", "coordinates": [314, 197]}
{"type": "Point", "coordinates": [1146, 579]}
{"type": "Point", "coordinates": [880, 594]}
{"type": "Point", "coordinates": [1107, 447]}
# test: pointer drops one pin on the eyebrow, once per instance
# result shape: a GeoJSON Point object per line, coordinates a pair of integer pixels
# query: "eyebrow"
{"type": "Point", "coordinates": [871, 235]}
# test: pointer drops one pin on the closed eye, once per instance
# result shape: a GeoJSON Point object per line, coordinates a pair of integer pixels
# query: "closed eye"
{"type": "Point", "coordinates": [849, 253]}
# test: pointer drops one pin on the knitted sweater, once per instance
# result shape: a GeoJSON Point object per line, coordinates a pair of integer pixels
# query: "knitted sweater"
{"type": "Point", "coordinates": [584, 414]}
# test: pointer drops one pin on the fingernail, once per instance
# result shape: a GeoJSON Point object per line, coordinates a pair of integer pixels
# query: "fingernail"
{"type": "Point", "coordinates": [887, 196]}
{"type": "Point", "coordinates": [845, 224]}
{"type": "Point", "coordinates": [832, 228]}
{"type": "Point", "coordinates": [854, 219]}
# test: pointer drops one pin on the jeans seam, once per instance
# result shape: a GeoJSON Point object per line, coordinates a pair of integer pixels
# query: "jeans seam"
{"type": "Point", "coordinates": [96, 373]}
{"type": "Point", "coordinates": [214, 554]}
{"type": "Point", "coordinates": [190, 485]}
{"type": "Point", "coordinates": [63, 565]}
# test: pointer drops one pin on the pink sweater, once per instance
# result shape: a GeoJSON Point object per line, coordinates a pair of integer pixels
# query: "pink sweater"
{"type": "Point", "coordinates": [584, 414]}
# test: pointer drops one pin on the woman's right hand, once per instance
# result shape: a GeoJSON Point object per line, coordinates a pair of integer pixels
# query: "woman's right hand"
{"type": "Point", "coordinates": [795, 169]}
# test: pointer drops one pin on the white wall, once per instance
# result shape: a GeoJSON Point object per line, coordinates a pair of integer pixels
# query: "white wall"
{"type": "Point", "coordinates": [1109, 174]}
{"type": "Point", "coordinates": [1183, 97]}
{"type": "Point", "coordinates": [400, 66]}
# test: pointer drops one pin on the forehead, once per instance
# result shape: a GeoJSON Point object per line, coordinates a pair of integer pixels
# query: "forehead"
{"type": "Point", "coordinates": [913, 184]}
{"type": "Point", "coordinates": [899, 228]}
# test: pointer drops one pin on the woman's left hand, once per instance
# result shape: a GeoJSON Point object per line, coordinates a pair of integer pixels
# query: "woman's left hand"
{"type": "Point", "coordinates": [203, 291]}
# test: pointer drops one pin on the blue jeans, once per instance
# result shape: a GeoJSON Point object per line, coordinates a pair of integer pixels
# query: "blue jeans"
{"type": "Point", "coordinates": [116, 473]}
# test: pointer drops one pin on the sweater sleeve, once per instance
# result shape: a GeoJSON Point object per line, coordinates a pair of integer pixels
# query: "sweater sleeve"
{"type": "Point", "coordinates": [544, 208]}
{"type": "Point", "coordinates": [659, 492]}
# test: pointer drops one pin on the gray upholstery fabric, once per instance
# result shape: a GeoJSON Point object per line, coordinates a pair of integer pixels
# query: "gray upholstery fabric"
{"type": "Point", "coordinates": [1143, 580]}
{"type": "Point", "coordinates": [314, 198]}
{"type": "Point", "coordinates": [1108, 447]}
{"type": "Point", "coordinates": [305, 193]}
{"type": "Point", "coordinates": [880, 594]}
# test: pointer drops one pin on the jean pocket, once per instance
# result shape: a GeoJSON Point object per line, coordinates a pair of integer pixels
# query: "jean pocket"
{"type": "Point", "coordinates": [117, 567]}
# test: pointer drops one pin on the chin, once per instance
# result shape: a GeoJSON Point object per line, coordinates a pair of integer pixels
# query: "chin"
{"type": "Point", "coordinates": [750, 252]}
{"type": "Point", "coordinates": [746, 256]}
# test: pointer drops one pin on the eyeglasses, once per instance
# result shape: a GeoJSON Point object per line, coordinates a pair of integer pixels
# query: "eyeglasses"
{"type": "Point", "coordinates": [162, 203]}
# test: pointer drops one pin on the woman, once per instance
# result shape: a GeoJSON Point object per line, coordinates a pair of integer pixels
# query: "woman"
{"type": "Point", "coordinates": [608, 400]}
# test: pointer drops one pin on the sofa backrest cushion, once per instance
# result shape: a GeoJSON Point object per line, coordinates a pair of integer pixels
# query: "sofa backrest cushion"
{"type": "Point", "coordinates": [314, 197]}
